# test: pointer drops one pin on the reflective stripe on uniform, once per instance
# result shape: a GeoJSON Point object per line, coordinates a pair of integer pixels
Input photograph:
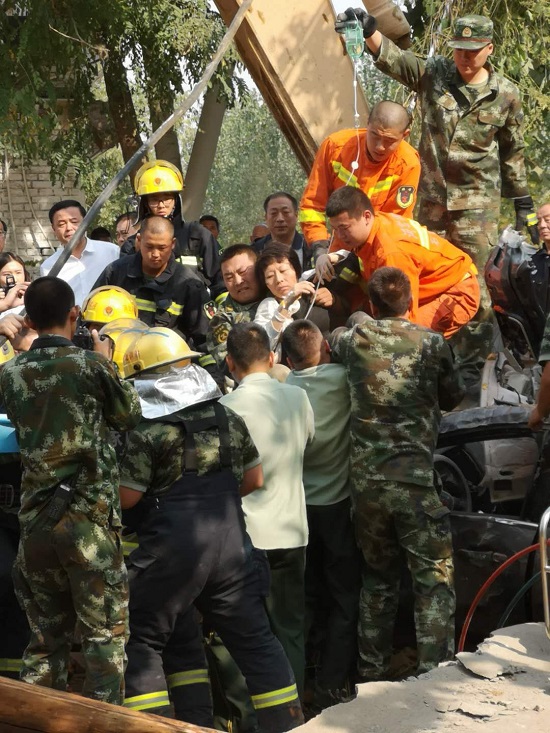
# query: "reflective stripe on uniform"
{"type": "Point", "coordinates": [206, 360]}
{"type": "Point", "coordinates": [277, 697]}
{"type": "Point", "coordinates": [191, 677]}
{"type": "Point", "coordinates": [307, 215]}
{"type": "Point", "coordinates": [349, 276]}
{"type": "Point", "coordinates": [146, 305]}
{"type": "Point", "coordinates": [189, 260]}
{"type": "Point", "coordinates": [383, 185]}
{"type": "Point", "coordinates": [422, 233]}
{"type": "Point", "coordinates": [221, 298]}
{"type": "Point", "coordinates": [148, 702]}
{"type": "Point", "coordinates": [344, 175]}
{"type": "Point", "coordinates": [151, 307]}
{"type": "Point", "coordinates": [175, 309]}
{"type": "Point", "coordinates": [128, 547]}
{"type": "Point", "coordinates": [10, 665]}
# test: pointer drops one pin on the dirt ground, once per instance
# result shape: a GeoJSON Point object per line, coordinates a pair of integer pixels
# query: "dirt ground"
{"type": "Point", "coordinates": [504, 687]}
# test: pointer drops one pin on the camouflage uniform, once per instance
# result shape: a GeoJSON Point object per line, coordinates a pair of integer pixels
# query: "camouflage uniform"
{"type": "Point", "coordinates": [194, 550]}
{"type": "Point", "coordinates": [471, 150]}
{"type": "Point", "coordinates": [227, 315]}
{"type": "Point", "coordinates": [400, 375]}
{"type": "Point", "coordinates": [62, 401]}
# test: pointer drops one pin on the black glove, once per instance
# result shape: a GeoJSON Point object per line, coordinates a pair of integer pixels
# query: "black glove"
{"type": "Point", "coordinates": [526, 217]}
{"type": "Point", "coordinates": [368, 22]}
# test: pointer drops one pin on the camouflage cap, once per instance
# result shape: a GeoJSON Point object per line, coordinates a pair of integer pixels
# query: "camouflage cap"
{"type": "Point", "coordinates": [472, 32]}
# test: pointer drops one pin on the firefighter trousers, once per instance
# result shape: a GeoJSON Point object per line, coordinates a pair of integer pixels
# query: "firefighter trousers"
{"type": "Point", "coordinates": [194, 550]}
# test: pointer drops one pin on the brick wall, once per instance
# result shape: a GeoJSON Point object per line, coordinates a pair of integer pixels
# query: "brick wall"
{"type": "Point", "coordinates": [28, 232]}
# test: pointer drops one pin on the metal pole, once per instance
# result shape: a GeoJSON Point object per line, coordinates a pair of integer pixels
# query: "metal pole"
{"type": "Point", "coordinates": [189, 101]}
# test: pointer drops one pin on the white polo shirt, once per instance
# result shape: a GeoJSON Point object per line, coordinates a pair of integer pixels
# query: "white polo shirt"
{"type": "Point", "coordinates": [280, 421]}
{"type": "Point", "coordinates": [82, 273]}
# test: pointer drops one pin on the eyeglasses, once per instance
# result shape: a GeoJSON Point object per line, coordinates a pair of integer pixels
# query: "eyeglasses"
{"type": "Point", "coordinates": [160, 199]}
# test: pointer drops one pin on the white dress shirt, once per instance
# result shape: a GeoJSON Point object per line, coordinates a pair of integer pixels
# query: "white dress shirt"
{"type": "Point", "coordinates": [82, 272]}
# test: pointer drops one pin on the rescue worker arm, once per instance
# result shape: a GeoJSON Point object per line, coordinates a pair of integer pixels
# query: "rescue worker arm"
{"type": "Point", "coordinates": [121, 407]}
{"type": "Point", "coordinates": [314, 199]}
{"type": "Point", "coordinates": [511, 153]}
{"type": "Point", "coordinates": [403, 66]}
{"type": "Point", "coordinates": [250, 472]}
{"type": "Point", "coordinates": [211, 264]}
{"type": "Point", "coordinates": [193, 322]}
{"type": "Point", "coordinates": [129, 497]}
{"type": "Point", "coordinates": [450, 385]}
{"type": "Point", "coordinates": [253, 479]}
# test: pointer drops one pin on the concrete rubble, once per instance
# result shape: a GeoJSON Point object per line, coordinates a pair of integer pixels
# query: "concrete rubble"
{"type": "Point", "coordinates": [503, 686]}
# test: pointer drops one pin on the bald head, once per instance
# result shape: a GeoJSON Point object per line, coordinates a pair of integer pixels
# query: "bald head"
{"type": "Point", "coordinates": [390, 115]}
{"type": "Point", "coordinates": [387, 127]}
{"type": "Point", "coordinates": [157, 225]}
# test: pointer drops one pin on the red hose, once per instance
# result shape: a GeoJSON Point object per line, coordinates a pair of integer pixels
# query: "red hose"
{"type": "Point", "coordinates": [490, 580]}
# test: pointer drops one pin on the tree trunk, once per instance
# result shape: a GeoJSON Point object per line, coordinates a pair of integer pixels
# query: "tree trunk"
{"type": "Point", "coordinates": [203, 153]}
{"type": "Point", "coordinates": [160, 100]}
{"type": "Point", "coordinates": [121, 106]}
{"type": "Point", "coordinates": [32, 709]}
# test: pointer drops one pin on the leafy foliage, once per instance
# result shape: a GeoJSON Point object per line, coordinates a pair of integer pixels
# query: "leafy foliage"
{"type": "Point", "coordinates": [253, 160]}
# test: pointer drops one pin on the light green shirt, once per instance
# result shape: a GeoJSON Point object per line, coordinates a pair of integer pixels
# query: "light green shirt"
{"type": "Point", "coordinates": [327, 457]}
{"type": "Point", "coordinates": [280, 421]}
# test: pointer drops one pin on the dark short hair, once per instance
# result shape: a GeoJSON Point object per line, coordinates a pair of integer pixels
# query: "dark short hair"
{"type": "Point", "coordinates": [390, 114]}
{"type": "Point", "coordinates": [300, 341]}
{"type": "Point", "coordinates": [130, 215]}
{"type": "Point", "coordinates": [238, 249]}
{"type": "Point", "coordinates": [210, 217]}
{"type": "Point", "coordinates": [100, 232]}
{"type": "Point", "coordinates": [279, 195]}
{"type": "Point", "coordinates": [6, 257]}
{"type": "Point", "coordinates": [248, 344]}
{"type": "Point", "coordinates": [156, 224]}
{"type": "Point", "coordinates": [4, 225]}
{"type": "Point", "coordinates": [389, 290]}
{"type": "Point", "coordinates": [349, 200]}
{"type": "Point", "coordinates": [276, 252]}
{"type": "Point", "coordinates": [48, 301]}
{"type": "Point", "coordinates": [66, 204]}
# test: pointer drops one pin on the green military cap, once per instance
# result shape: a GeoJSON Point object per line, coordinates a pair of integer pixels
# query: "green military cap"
{"type": "Point", "coordinates": [472, 32]}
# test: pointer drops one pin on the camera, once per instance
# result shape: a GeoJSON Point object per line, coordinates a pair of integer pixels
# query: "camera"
{"type": "Point", "coordinates": [83, 338]}
{"type": "Point", "coordinates": [10, 283]}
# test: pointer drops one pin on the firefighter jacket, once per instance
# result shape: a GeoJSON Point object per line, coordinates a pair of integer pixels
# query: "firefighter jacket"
{"type": "Point", "coordinates": [432, 264]}
{"type": "Point", "coordinates": [391, 185]}
{"type": "Point", "coordinates": [196, 248]}
{"type": "Point", "coordinates": [175, 299]}
{"type": "Point", "coordinates": [471, 145]}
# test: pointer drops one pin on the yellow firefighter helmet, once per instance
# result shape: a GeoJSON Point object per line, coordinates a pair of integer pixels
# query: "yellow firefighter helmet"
{"type": "Point", "coordinates": [123, 332]}
{"type": "Point", "coordinates": [108, 303]}
{"type": "Point", "coordinates": [154, 349]}
{"type": "Point", "coordinates": [158, 176]}
{"type": "Point", "coordinates": [6, 353]}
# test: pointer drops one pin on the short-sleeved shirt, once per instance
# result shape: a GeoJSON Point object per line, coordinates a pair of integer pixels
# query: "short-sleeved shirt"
{"type": "Point", "coordinates": [153, 453]}
{"type": "Point", "coordinates": [401, 375]}
{"type": "Point", "coordinates": [280, 420]}
{"type": "Point", "coordinates": [327, 456]}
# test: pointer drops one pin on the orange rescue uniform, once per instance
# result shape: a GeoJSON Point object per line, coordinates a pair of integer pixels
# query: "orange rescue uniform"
{"type": "Point", "coordinates": [391, 185]}
{"type": "Point", "coordinates": [443, 279]}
